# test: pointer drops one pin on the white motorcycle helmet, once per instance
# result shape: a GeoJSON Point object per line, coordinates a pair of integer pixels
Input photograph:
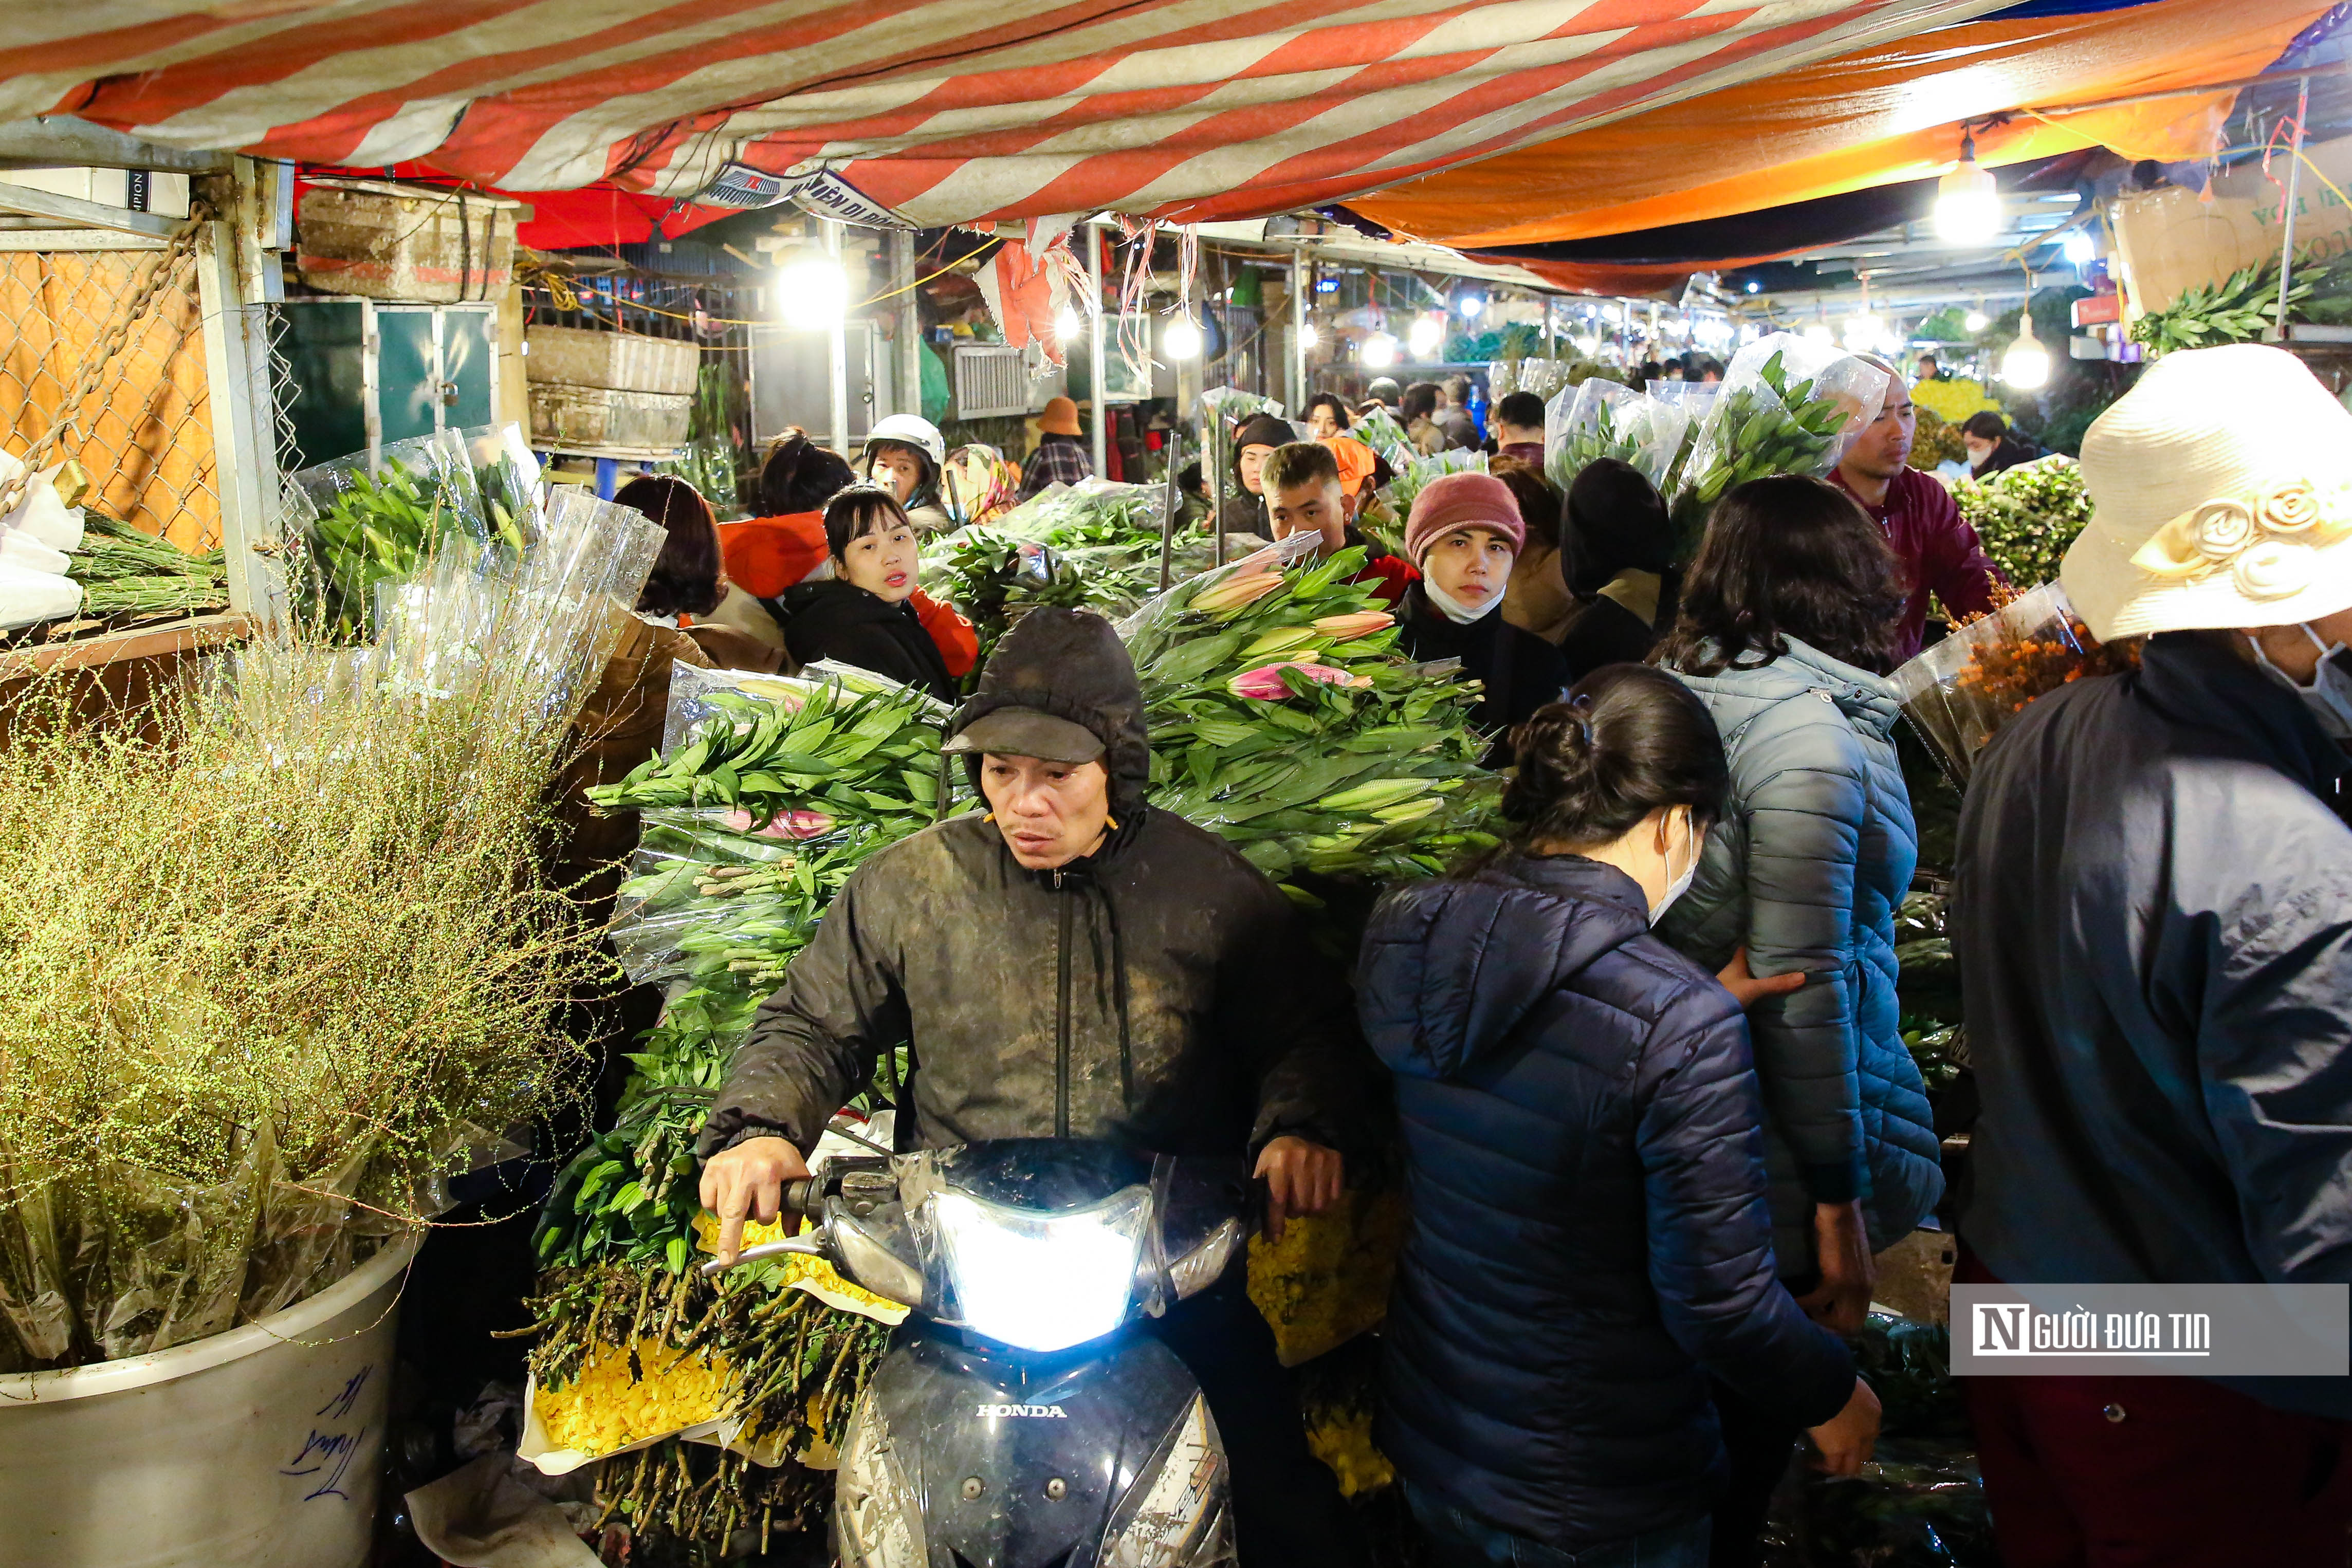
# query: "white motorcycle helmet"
{"type": "Point", "coordinates": [911, 430]}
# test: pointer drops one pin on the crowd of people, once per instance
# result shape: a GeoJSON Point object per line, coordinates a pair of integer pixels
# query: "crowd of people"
{"type": "Point", "coordinates": [1646, 1058]}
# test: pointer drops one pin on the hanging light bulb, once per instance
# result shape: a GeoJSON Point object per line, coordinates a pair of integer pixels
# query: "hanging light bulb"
{"type": "Point", "coordinates": [1472, 307]}
{"type": "Point", "coordinates": [1426, 334]}
{"type": "Point", "coordinates": [1976, 320]}
{"type": "Point", "coordinates": [2079, 249]}
{"type": "Point", "coordinates": [1066, 325]}
{"type": "Point", "coordinates": [812, 291]}
{"type": "Point", "coordinates": [1181, 339]}
{"type": "Point", "coordinates": [1967, 202]}
{"type": "Point", "coordinates": [1818, 332]}
{"type": "Point", "coordinates": [1380, 350]}
{"type": "Point", "coordinates": [2026, 365]}
{"type": "Point", "coordinates": [1864, 330]}
{"type": "Point", "coordinates": [1587, 344]}
{"type": "Point", "coordinates": [1307, 336]}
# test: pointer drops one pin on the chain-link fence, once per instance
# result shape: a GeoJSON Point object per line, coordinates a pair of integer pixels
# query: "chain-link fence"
{"type": "Point", "coordinates": [141, 428]}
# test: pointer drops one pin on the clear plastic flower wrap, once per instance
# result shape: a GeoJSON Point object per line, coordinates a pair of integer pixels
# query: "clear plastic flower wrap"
{"type": "Point", "coordinates": [1959, 693]}
{"type": "Point", "coordinates": [1376, 428]}
{"type": "Point", "coordinates": [507, 473]}
{"type": "Point", "coordinates": [1391, 504]}
{"type": "Point", "coordinates": [1601, 419]}
{"type": "Point", "coordinates": [1789, 405]}
{"type": "Point", "coordinates": [359, 524]}
{"type": "Point", "coordinates": [531, 638]}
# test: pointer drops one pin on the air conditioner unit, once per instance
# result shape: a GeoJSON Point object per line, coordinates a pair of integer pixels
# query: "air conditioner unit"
{"type": "Point", "coordinates": [990, 378]}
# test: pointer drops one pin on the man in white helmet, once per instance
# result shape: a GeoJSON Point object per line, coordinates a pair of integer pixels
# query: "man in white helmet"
{"type": "Point", "coordinates": [904, 454]}
{"type": "Point", "coordinates": [2153, 915]}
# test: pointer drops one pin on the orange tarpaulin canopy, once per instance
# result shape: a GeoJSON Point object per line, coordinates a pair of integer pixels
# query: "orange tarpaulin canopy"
{"type": "Point", "coordinates": [1869, 118]}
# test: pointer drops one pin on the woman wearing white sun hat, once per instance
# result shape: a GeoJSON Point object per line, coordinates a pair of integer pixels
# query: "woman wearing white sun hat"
{"type": "Point", "coordinates": [2153, 915]}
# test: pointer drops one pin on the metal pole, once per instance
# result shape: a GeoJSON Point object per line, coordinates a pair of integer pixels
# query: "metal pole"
{"type": "Point", "coordinates": [1298, 329]}
{"type": "Point", "coordinates": [1092, 239]}
{"type": "Point", "coordinates": [1212, 451]}
{"type": "Point", "coordinates": [1175, 502]}
{"type": "Point", "coordinates": [1550, 353]}
{"type": "Point", "coordinates": [2293, 182]}
{"type": "Point", "coordinates": [837, 351]}
{"type": "Point", "coordinates": [910, 322]}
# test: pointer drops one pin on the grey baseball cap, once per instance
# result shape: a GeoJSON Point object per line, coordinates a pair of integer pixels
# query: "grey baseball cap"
{"type": "Point", "coordinates": [1026, 732]}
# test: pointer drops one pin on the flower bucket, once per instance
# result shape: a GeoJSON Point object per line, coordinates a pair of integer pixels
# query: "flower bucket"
{"type": "Point", "coordinates": [260, 1447]}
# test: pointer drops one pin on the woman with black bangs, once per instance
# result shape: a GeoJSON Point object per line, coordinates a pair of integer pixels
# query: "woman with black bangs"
{"type": "Point", "coordinates": [1786, 631]}
{"type": "Point", "coordinates": [861, 615]}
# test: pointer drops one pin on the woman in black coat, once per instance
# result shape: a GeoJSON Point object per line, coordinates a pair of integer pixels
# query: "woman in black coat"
{"type": "Point", "coordinates": [1589, 1237]}
{"type": "Point", "coordinates": [860, 615]}
{"type": "Point", "coordinates": [1465, 536]}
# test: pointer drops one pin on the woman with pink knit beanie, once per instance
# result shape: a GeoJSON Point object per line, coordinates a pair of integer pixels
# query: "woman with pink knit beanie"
{"type": "Point", "coordinates": [1465, 534]}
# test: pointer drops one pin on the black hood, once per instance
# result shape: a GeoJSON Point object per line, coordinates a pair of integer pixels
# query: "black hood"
{"type": "Point", "coordinates": [1071, 665]}
{"type": "Point", "coordinates": [1616, 523]}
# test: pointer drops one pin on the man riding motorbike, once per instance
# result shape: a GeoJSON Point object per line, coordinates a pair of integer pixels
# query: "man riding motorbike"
{"type": "Point", "coordinates": [1077, 964]}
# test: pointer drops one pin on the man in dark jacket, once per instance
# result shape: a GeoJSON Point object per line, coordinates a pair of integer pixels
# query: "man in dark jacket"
{"type": "Point", "coordinates": [2153, 915]}
{"type": "Point", "coordinates": [1077, 964]}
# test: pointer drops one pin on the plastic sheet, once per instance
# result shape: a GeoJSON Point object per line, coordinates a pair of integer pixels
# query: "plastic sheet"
{"type": "Point", "coordinates": [1959, 693]}
{"type": "Point", "coordinates": [507, 475]}
{"type": "Point", "coordinates": [1601, 419]}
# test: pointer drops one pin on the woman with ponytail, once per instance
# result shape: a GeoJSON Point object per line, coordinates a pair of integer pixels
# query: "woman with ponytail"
{"type": "Point", "coordinates": [1591, 1244]}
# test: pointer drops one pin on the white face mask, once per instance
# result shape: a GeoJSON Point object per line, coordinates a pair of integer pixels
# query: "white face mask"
{"type": "Point", "coordinates": [1681, 884]}
{"type": "Point", "coordinates": [2329, 696]}
{"type": "Point", "coordinates": [1453, 609]}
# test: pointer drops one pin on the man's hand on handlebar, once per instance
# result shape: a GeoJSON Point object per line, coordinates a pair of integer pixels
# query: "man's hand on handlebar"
{"type": "Point", "coordinates": [747, 1182]}
{"type": "Point", "coordinates": [1300, 1178]}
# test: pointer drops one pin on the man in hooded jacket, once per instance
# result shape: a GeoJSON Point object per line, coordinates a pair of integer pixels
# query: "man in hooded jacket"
{"type": "Point", "coordinates": [1077, 964]}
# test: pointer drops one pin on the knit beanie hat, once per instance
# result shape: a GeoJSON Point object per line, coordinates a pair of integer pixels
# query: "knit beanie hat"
{"type": "Point", "coordinates": [1451, 502]}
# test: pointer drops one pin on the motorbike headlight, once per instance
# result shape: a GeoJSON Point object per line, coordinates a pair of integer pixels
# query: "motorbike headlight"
{"type": "Point", "coordinates": [1041, 1281]}
{"type": "Point", "coordinates": [1175, 1515]}
{"type": "Point", "coordinates": [877, 1517]}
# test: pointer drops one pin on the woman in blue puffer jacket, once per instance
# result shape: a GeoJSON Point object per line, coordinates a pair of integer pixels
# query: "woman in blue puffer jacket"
{"type": "Point", "coordinates": [1590, 1243]}
{"type": "Point", "coordinates": [1786, 631]}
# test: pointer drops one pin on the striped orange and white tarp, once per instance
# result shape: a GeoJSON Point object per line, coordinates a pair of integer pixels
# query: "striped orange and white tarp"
{"type": "Point", "coordinates": [945, 111]}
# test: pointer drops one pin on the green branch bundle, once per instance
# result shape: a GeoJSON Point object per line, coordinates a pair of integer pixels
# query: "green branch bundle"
{"type": "Point", "coordinates": [125, 570]}
{"type": "Point", "coordinates": [2244, 306]}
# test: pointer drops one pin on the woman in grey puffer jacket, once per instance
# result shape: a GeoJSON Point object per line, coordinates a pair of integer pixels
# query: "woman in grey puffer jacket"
{"type": "Point", "coordinates": [1786, 624]}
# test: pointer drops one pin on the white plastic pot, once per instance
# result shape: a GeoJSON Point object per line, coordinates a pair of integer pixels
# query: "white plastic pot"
{"type": "Point", "coordinates": [259, 1447]}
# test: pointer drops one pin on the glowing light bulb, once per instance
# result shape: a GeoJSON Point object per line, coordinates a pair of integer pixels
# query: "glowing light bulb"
{"type": "Point", "coordinates": [812, 291]}
{"type": "Point", "coordinates": [1307, 336]}
{"type": "Point", "coordinates": [2026, 365]}
{"type": "Point", "coordinates": [2079, 249]}
{"type": "Point", "coordinates": [1427, 333]}
{"type": "Point", "coordinates": [1066, 325]}
{"type": "Point", "coordinates": [1818, 332]}
{"type": "Point", "coordinates": [1975, 321]}
{"type": "Point", "coordinates": [1181, 339]}
{"type": "Point", "coordinates": [1967, 202]}
{"type": "Point", "coordinates": [1472, 307]}
{"type": "Point", "coordinates": [1380, 350]}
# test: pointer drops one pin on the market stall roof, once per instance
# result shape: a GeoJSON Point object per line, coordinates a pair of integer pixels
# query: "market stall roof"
{"type": "Point", "coordinates": [945, 111]}
{"type": "Point", "coordinates": [1875, 116]}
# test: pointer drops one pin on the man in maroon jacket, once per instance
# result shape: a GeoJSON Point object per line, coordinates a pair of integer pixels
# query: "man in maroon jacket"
{"type": "Point", "coordinates": [1938, 548]}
